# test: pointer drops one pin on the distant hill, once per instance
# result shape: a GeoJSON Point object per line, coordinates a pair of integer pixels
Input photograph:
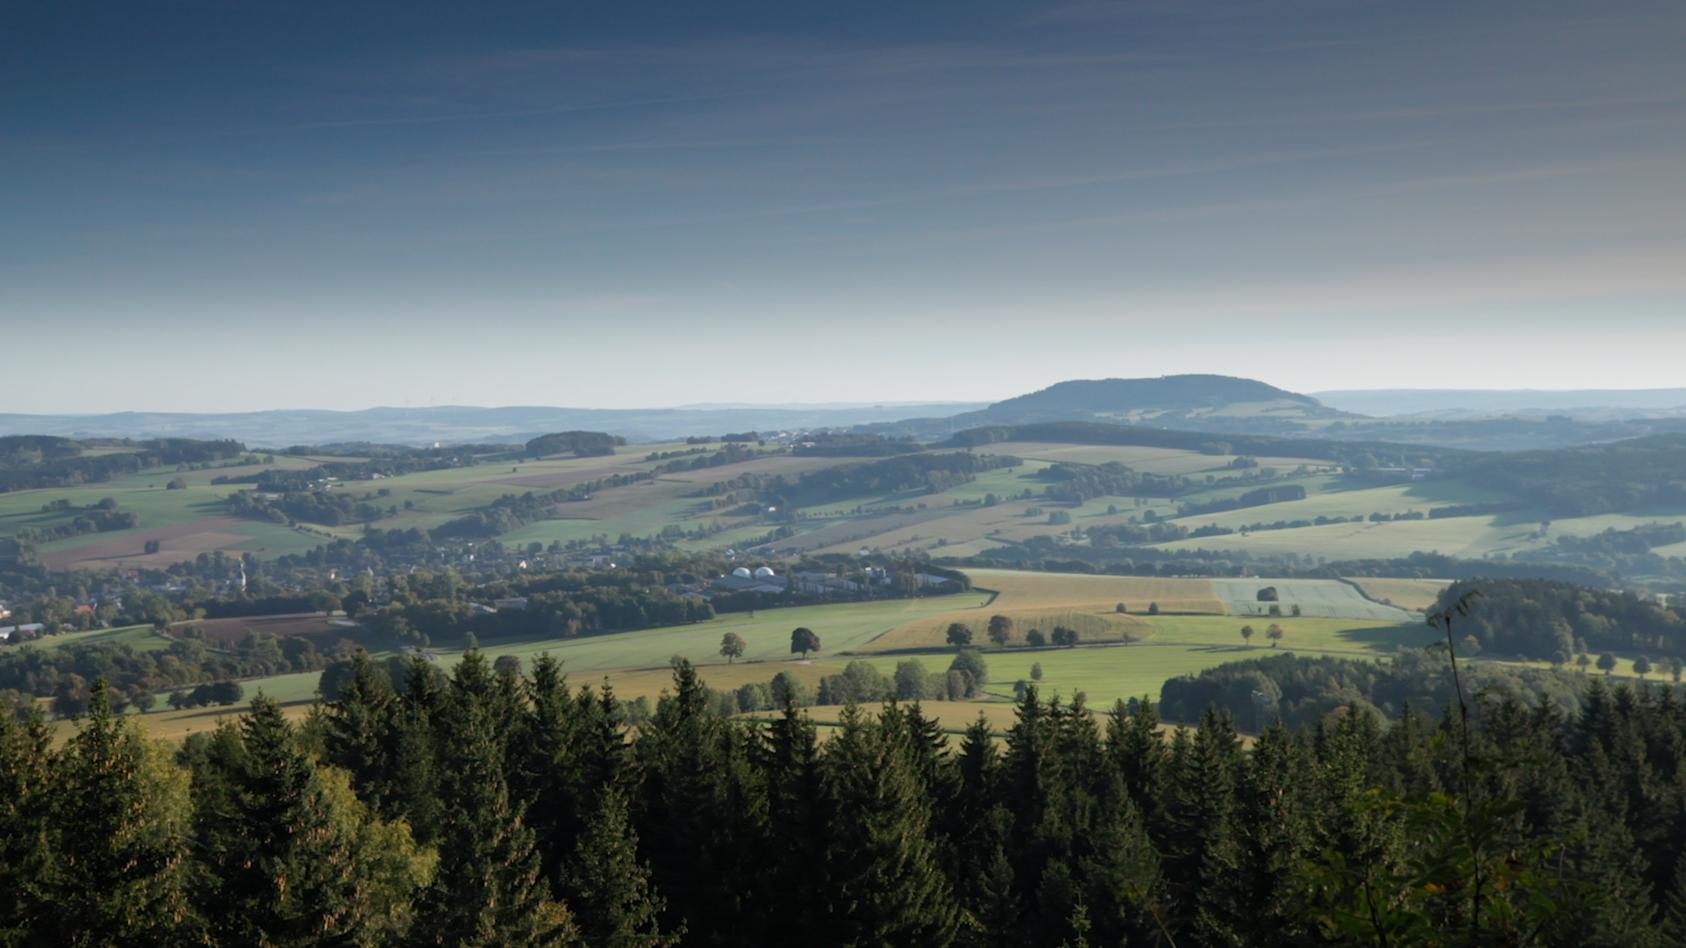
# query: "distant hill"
{"type": "Point", "coordinates": [1230, 406]}
{"type": "Point", "coordinates": [1186, 402]}
{"type": "Point", "coordinates": [457, 424]}
{"type": "Point", "coordinates": [1166, 398]}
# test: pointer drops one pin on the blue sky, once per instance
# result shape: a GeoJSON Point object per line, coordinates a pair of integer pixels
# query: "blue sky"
{"type": "Point", "coordinates": [237, 205]}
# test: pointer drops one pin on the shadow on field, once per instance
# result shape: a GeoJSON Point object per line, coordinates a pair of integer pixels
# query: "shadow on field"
{"type": "Point", "coordinates": [1402, 636]}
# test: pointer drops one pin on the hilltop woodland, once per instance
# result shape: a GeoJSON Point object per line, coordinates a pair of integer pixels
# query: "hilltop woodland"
{"type": "Point", "coordinates": [28, 461]}
{"type": "Point", "coordinates": [501, 808]}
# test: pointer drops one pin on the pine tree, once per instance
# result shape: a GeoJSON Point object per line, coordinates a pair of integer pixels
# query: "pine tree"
{"type": "Point", "coordinates": [995, 910]}
{"type": "Point", "coordinates": [1035, 789]}
{"type": "Point", "coordinates": [412, 751]}
{"type": "Point", "coordinates": [489, 889]}
{"type": "Point", "coordinates": [797, 822]}
{"type": "Point", "coordinates": [25, 750]}
{"type": "Point", "coordinates": [355, 729]}
{"type": "Point", "coordinates": [702, 824]}
{"type": "Point", "coordinates": [547, 765]}
{"type": "Point", "coordinates": [1198, 808]}
{"type": "Point", "coordinates": [1258, 903]}
{"type": "Point", "coordinates": [276, 864]}
{"type": "Point", "coordinates": [608, 888]}
{"type": "Point", "coordinates": [1136, 751]}
{"type": "Point", "coordinates": [115, 819]}
{"type": "Point", "coordinates": [1673, 924]}
{"type": "Point", "coordinates": [883, 880]}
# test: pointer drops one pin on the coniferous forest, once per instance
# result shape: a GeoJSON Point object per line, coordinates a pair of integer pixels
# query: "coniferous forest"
{"type": "Point", "coordinates": [493, 807]}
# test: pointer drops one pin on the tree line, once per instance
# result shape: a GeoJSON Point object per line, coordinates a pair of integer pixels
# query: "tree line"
{"type": "Point", "coordinates": [496, 807]}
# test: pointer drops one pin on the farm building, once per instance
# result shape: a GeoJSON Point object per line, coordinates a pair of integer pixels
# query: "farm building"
{"type": "Point", "coordinates": [761, 580]}
{"type": "Point", "coordinates": [21, 633]}
{"type": "Point", "coordinates": [809, 581]}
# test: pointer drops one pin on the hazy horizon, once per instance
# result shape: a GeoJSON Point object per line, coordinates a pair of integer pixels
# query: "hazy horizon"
{"type": "Point", "coordinates": [1448, 392]}
{"type": "Point", "coordinates": [241, 208]}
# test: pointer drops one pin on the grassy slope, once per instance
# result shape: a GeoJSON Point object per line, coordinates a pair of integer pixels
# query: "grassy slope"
{"type": "Point", "coordinates": [142, 637]}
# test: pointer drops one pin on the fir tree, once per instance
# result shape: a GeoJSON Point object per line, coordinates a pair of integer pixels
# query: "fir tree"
{"type": "Point", "coordinates": [608, 888]}
{"type": "Point", "coordinates": [276, 865]}
{"type": "Point", "coordinates": [1120, 874]}
{"type": "Point", "coordinates": [883, 880]}
{"type": "Point", "coordinates": [115, 824]}
{"type": "Point", "coordinates": [25, 750]}
{"type": "Point", "coordinates": [490, 888]}
{"type": "Point", "coordinates": [412, 749]}
{"type": "Point", "coordinates": [548, 765]}
{"type": "Point", "coordinates": [1136, 752]}
{"type": "Point", "coordinates": [695, 821]}
{"type": "Point", "coordinates": [1198, 803]}
{"type": "Point", "coordinates": [355, 729]}
{"type": "Point", "coordinates": [1258, 903]}
{"type": "Point", "coordinates": [797, 822]}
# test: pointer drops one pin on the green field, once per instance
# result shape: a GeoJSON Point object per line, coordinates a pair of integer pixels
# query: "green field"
{"type": "Point", "coordinates": [1315, 597]}
{"type": "Point", "coordinates": [143, 638]}
{"type": "Point", "coordinates": [767, 632]}
{"type": "Point", "coordinates": [947, 523]}
{"type": "Point", "coordinates": [1182, 645]}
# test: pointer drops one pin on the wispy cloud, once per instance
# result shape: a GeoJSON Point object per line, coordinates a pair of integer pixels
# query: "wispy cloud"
{"type": "Point", "coordinates": [1410, 113]}
{"type": "Point", "coordinates": [471, 116]}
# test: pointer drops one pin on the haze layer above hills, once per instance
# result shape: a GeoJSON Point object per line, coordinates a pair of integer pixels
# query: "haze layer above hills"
{"type": "Point", "coordinates": [1495, 420]}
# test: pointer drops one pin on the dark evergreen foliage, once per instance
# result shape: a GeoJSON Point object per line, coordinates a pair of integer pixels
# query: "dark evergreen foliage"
{"type": "Point", "coordinates": [540, 819]}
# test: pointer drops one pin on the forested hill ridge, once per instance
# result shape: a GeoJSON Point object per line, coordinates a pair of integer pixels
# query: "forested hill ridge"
{"type": "Point", "coordinates": [1240, 406]}
{"type": "Point", "coordinates": [1590, 479]}
{"type": "Point", "coordinates": [1168, 399]}
{"type": "Point", "coordinates": [1188, 402]}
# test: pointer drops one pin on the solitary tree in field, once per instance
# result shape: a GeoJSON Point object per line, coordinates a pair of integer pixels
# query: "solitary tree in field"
{"type": "Point", "coordinates": [1606, 663]}
{"type": "Point", "coordinates": [1035, 639]}
{"type": "Point", "coordinates": [959, 635]}
{"type": "Point", "coordinates": [1000, 629]}
{"type": "Point", "coordinates": [1274, 633]}
{"type": "Point", "coordinates": [803, 640]}
{"type": "Point", "coordinates": [1121, 609]}
{"type": "Point", "coordinates": [1065, 636]}
{"type": "Point", "coordinates": [1036, 671]}
{"type": "Point", "coordinates": [1247, 633]}
{"type": "Point", "coordinates": [1641, 666]}
{"type": "Point", "coordinates": [1582, 660]}
{"type": "Point", "coordinates": [1294, 609]}
{"type": "Point", "coordinates": [732, 646]}
{"type": "Point", "coordinates": [1153, 608]}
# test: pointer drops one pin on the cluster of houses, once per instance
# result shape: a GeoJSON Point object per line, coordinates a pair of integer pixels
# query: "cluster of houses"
{"type": "Point", "coordinates": [764, 579]}
{"type": "Point", "coordinates": [13, 634]}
